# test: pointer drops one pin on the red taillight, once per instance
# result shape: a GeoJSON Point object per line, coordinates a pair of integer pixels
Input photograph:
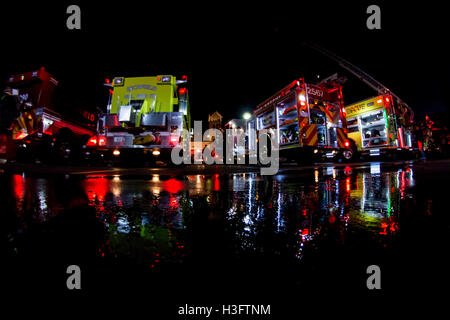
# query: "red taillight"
{"type": "Point", "coordinates": [347, 143]}
{"type": "Point", "coordinates": [174, 140]}
{"type": "Point", "coordinates": [101, 141]}
{"type": "Point", "coordinates": [182, 90]}
{"type": "Point", "coordinates": [92, 141]}
{"type": "Point", "coordinates": [387, 99]}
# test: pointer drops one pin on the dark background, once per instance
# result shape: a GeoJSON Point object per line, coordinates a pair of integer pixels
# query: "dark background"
{"type": "Point", "coordinates": [236, 54]}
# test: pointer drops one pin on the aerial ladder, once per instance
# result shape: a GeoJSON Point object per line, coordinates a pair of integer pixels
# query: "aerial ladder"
{"type": "Point", "coordinates": [402, 137]}
{"type": "Point", "coordinates": [360, 74]}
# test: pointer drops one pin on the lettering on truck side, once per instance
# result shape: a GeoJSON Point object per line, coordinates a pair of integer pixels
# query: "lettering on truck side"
{"type": "Point", "coordinates": [315, 92]}
{"type": "Point", "coordinates": [142, 86]}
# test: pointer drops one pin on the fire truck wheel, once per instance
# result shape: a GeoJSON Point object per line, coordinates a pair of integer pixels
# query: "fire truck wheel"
{"type": "Point", "coordinates": [348, 155]}
{"type": "Point", "coordinates": [64, 145]}
{"type": "Point", "coordinates": [64, 150]}
{"type": "Point", "coordinates": [351, 153]}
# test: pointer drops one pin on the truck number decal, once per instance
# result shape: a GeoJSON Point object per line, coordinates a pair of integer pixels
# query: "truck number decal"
{"type": "Point", "coordinates": [315, 92]}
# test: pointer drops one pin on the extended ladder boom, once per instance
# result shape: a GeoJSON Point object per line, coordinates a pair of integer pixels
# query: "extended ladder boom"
{"type": "Point", "coordinates": [360, 74]}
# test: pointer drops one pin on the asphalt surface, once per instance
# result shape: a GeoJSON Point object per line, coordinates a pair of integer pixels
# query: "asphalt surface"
{"type": "Point", "coordinates": [43, 169]}
{"type": "Point", "coordinates": [217, 235]}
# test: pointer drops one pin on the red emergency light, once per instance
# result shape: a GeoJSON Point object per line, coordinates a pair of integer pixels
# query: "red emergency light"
{"type": "Point", "coordinates": [101, 141]}
{"type": "Point", "coordinates": [302, 99]}
{"type": "Point", "coordinates": [94, 141]}
{"type": "Point", "coordinates": [400, 136]}
{"type": "Point", "coordinates": [174, 140]}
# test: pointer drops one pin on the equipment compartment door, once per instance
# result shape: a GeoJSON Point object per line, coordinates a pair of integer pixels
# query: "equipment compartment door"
{"type": "Point", "coordinates": [332, 138]}
{"type": "Point", "coordinates": [319, 119]}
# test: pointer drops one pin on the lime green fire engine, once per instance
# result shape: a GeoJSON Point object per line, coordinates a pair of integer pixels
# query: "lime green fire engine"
{"type": "Point", "coordinates": [145, 117]}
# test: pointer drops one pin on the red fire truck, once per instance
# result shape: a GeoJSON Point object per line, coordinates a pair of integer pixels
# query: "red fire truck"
{"type": "Point", "coordinates": [35, 130]}
{"type": "Point", "coordinates": [308, 120]}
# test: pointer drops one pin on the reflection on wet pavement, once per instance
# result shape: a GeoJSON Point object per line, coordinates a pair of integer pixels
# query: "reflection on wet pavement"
{"type": "Point", "coordinates": [315, 228]}
{"type": "Point", "coordinates": [151, 221]}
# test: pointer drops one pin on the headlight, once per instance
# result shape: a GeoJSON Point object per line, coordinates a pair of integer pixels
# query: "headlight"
{"type": "Point", "coordinates": [156, 152]}
{"type": "Point", "coordinates": [118, 82]}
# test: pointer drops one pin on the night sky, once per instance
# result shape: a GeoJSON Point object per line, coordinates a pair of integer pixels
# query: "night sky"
{"type": "Point", "coordinates": [235, 55]}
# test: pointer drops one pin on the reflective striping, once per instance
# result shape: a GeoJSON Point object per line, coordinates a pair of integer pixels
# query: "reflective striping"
{"type": "Point", "coordinates": [332, 117]}
{"type": "Point", "coordinates": [313, 141]}
{"type": "Point", "coordinates": [310, 135]}
{"type": "Point", "coordinates": [341, 137]}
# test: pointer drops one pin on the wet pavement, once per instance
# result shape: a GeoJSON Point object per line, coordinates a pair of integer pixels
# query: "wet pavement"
{"type": "Point", "coordinates": [218, 235]}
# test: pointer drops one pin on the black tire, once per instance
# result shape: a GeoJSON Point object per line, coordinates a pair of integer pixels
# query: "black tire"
{"type": "Point", "coordinates": [348, 155]}
{"type": "Point", "coordinates": [64, 146]}
{"type": "Point", "coordinates": [351, 154]}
